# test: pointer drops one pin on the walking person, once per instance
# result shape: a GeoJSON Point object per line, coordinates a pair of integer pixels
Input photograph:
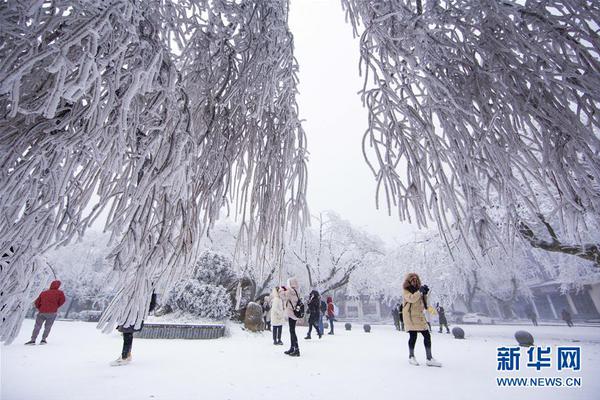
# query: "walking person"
{"type": "Point", "coordinates": [314, 311]}
{"type": "Point", "coordinates": [442, 317]}
{"type": "Point", "coordinates": [330, 313]}
{"type": "Point", "coordinates": [566, 316]}
{"type": "Point", "coordinates": [414, 304]}
{"type": "Point", "coordinates": [531, 315]}
{"type": "Point", "coordinates": [277, 316]}
{"type": "Point", "coordinates": [47, 304]}
{"type": "Point", "coordinates": [294, 310]}
{"type": "Point", "coordinates": [322, 314]}
{"type": "Point", "coordinates": [396, 316]}
{"type": "Point", "coordinates": [127, 332]}
{"type": "Point", "coordinates": [401, 317]}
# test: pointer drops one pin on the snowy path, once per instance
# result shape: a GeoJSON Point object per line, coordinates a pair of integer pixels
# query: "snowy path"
{"type": "Point", "coordinates": [349, 365]}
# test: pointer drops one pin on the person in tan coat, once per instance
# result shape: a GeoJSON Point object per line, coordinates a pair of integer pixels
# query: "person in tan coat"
{"type": "Point", "coordinates": [290, 298]}
{"type": "Point", "coordinates": [277, 316]}
{"type": "Point", "coordinates": [414, 303]}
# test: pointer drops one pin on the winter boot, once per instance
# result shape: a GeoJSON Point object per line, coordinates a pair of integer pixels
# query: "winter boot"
{"type": "Point", "coordinates": [307, 337]}
{"type": "Point", "coordinates": [432, 362]}
{"type": "Point", "coordinates": [295, 353]}
{"type": "Point", "coordinates": [120, 361]}
{"type": "Point", "coordinates": [413, 361]}
{"type": "Point", "coordinates": [288, 352]}
{"type": "Point", "coordinates": [43, 341]}
{"type": "Point", "coordinates": [280, 343]}
{"type": "Point", "coordinates": [30, 343]}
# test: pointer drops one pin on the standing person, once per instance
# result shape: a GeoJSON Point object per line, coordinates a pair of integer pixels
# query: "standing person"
{"type": "Point", "coordinates": [566, 316]}
{"type": "Point", "coordinates": [531, 315]}
{"type": "Point", "coordinates": [127, 332]}
{"type": "Point", "coordinates": [401, 317]}
{"type": "Point", "coordinates": [414, 305]}
{"type": "Point", "coordinates": [314, 310]}
{"type": "Point", "coordinates": [330, 313]}
{"type": "Point", "coordinates": [267, 312]}
{"type": "Point", "coordinates": [277, 316]}
{"type": "Point", "coordinates": [396, 316]}
{"type": "Point", "coordinates": [442, 317]}
{"type": "Point", "coordinates": [294, 310]}
{"type": "Point", "coordinates": [47, 304]}
{"type": "Point", "coordinates": [321, 314]}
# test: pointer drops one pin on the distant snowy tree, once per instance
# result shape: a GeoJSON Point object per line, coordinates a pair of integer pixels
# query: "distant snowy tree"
{"type": "Point", "coordinates": [329, 255]}
{"type": "Point", "coordinates": [471, 101]}
{"type": "Point", "coordinates": [158, 113]}
{"type": "Point", "coordinates": [84, 271]}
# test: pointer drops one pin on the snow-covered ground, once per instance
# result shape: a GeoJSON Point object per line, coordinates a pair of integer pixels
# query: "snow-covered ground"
{"type": "Point", "coordinates": [349, 365]}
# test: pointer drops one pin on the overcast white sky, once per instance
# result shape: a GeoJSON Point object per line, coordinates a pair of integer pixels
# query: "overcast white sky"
{"type": "Point", "coordinates": [339, 178]}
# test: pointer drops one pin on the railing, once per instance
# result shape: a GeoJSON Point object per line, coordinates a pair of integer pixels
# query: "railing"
{"type": "Point", "coordinates": [177, 331]}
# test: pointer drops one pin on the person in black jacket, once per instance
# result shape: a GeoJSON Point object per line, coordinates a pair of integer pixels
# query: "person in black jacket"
{"type": "Point", "coordinates": [314, 305]}
{"type": "Point", "coordinates": [396, 316]}
{"type": "Point", "coordinates": [127, 332]}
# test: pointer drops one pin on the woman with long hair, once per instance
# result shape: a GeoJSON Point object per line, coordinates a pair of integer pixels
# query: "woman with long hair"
{"type": "Point", "coordinates": [415, 302]}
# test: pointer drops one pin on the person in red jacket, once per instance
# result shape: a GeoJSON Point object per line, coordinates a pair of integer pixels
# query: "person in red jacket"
{"type": "Point", "coordinates": [47, 304]}
{"type": "Point", "coordinates": [330, 314]}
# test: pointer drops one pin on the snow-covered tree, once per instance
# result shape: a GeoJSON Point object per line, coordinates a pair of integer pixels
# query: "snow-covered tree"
{"type": "Point", "coordinates": [84, 271]}
{"type": "Point", "coordinates": [471, 101]}
{"type": "Point", "coordinates": [157, 113]}
{"type": "Point", "coordinates": [329, 255]}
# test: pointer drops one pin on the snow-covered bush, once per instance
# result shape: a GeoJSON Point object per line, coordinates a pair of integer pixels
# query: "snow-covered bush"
{"type": "Point", "coordinates": [214, 268]}
{"type": "Point", "coordinates": [201, 299]}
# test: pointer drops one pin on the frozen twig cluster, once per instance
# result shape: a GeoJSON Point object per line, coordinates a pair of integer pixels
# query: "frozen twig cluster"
{"type": "Point", "coordinates": [152, 115]}
{"type": "Point", "coordinates": [477, 100]}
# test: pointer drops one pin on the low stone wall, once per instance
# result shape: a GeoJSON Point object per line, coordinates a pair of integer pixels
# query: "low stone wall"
{"type": "Point", "coordinates": [176, 331]}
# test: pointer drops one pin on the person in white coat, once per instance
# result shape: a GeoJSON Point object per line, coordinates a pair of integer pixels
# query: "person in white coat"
{"type": "Point", "coordinates": [291, 297]}
{"type": "Point", "coordinates": [277, 316]}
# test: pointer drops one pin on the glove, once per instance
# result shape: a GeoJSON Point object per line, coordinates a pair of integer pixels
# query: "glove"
{"type": "Point", "coordinates": [424, 289]}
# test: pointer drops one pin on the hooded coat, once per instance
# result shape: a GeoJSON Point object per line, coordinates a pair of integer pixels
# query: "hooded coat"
{"type": "Point", "coordinates": [277, 311]}
{"type": "Point", "coordinates": [412, 310]}
{"type": "Point", "coordinates": [49, 301]}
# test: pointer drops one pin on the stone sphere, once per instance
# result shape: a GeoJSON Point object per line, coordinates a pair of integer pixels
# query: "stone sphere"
{"type": "Point", "coordinates": [348, 326]}
{"type": "Point", "coordinates": [458, 332]}
{"type": "Point", "coordinates": [524, 338]}
{"type": "Point", "coordinates": [367, 328]}
{"type": "Point", "coordinates": [253, 320]}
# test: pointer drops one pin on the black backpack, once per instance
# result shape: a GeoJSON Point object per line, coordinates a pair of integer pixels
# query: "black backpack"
{"type": "Point", "coordinates": [299, 309]}
{"type": "Point", "coordinates": [323, 307]}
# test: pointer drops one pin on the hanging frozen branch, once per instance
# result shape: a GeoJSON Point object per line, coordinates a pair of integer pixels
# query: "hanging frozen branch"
{"type": "Point", "coordinates": [473, 100]}
{"type": "Point", "coordinates": [590, 252]}
{"type": "Point", "coordinates": [156, 114]}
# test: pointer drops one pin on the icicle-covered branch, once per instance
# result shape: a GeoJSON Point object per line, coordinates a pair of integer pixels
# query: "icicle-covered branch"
{"type": "Point", "coordinates": [153, 115]}
{"type": "Point", "coordinates": [477, 100]}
